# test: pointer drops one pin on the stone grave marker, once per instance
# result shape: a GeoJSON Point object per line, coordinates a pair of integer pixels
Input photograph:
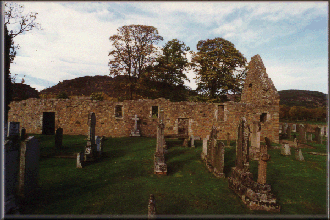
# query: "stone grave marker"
{"type": "Point", "coordinates": [192, 141]}
{"type": "Point", "coordinates": [295, 142]}
{"type": "Point", "coordinates": [204, 152]}
{"type": "Point", "coordinates": [99, 145]}
{"type": "Point", "coordinates": [288, 132]}
{"type": "Point", "coordinates": [160, 166]}
{"type": "Point", "coordinates": [90, 147]}
{"type": "Point", "coordinates": [151, 207]}
{"type": "Point", "coordinates": [298, 155]}
{"type": "Point", "coordinates": [219, 153]}
{"type": "Point", "coordinates": [80, 159]}
{"type": "Point", "coordinates": [29, 166]}
{"type": "Point", "coordinates": [285, 150]}
{"type": "Point", "coordinates": [302, 133]}
{"type": "Point", "coordinates": [294, 128]}
{"type": "Point", "coordinates": [135, 132]}
{"type": "Point", "coordinates": [59, 138]}
{"type": "Point", "coordinates": [23, 134]}
{"type": "Point", "coordinates": [11, 170]}
{"type": "Point", "coordinates": [13, 129]}
{"type": "Point", "coordinates": [318, 137]}
{"type": "Point", "coordinates": [262, 168]}
{"type": "Point", "coordinates": [255, 141]}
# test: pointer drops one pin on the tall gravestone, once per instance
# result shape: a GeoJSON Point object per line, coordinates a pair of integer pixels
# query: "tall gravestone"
{"type": "Point", "coordinates": [90, 148]}
{"type": "Point", "coordinates": [318, 137]}
{"type": "Point", "coordinates": [302, 133]}
{"type": "Point", "coordinates": [29, 166]}
{"type": "Point", "coordinates": [288, 132]}
{"type": "Point", "coordinates": [242, 146]}
{"type": "Point", "coordinates": [204, 151]}
{"type": "Point", "coordinates": [211, 149]}
{"type": "Point", "coordinates": [59, 138]}
{"type": "Point", "coordinates": [11, 170]}
{"type": "Point", "coordinates": [255, 141]}
{"type": "Point", "coordinates": [160, 166]}
{"type": "Point", "coordinates": [262, 168]}
{"type": "Point", "coordinates": [219, 153]}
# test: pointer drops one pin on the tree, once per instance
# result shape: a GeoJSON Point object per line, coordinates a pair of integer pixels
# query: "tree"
{"type": "Point", "coordinates": [133, 52]}
{"type": "Point", "coordinates": [172, 63]}
{"type": "Point", "coordinates": [17, 23]}
{"type": "Point", "coordinates": [215, 64]}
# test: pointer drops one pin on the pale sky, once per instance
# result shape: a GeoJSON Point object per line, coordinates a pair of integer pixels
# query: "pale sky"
{"type": "Point", "coordinates": [290, 37]}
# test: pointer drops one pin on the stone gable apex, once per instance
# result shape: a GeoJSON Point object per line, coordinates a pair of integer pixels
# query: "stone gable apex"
{"type": "Point", "coordinates": [258, 87]}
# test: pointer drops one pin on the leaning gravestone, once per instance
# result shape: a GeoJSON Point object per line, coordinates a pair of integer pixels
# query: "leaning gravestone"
{"type": "Point", "coordinates": [29, 166]}
{"type": "Point", "coordinates": [298, 155]}
{"type": "Point", "coordinates": [11, 169]}
{"type": "Point", "coordinates": [59, 138]}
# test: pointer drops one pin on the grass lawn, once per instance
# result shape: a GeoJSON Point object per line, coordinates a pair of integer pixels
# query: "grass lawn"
{"type": "Point", "coordinates": [121, 182]}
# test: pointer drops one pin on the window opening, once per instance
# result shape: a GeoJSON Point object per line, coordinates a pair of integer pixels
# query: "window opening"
{"type": "Point", "coordinates": [119, 111]}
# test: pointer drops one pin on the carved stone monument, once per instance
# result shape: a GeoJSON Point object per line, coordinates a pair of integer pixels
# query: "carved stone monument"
{"type": "Point", "coordinates": [262, 168]}
{"type": "Point", "coordinates": [255, 141]}
{"type": "Point", "coordinates": [59, 138]}
{"type": "Point", "coordinates": [135, 132]}
{"type": "Point", "coordinates": [90, 149]}
{"type": "Point", "coordinates": [298, 155]}
{"type": "Point", "coordinates": [160, 166]}
{"type": "Point", "coordinates": [285, 150]}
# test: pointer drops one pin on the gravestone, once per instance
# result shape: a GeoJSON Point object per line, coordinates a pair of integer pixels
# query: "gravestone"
{"type": "Point", "coordinates": [13, 130]}
{"type": "Point", "coordinates": [322, 131]}
{"type": "Point", "coordinates": [288, 132]}
{"type": "Point", "coordinates": [99, 145]}
{"type": "Point", "coordinates": [23, 134]}
{"type": "Point", "coordinates": [294, 128]}
{"type": "Point", "coordinates": [192, 141]}
{"type": "Point", "coordinates": [211, 149]}
{"type": "Point", "coordinates": [135, 132]}
{"type": "Point", "coordinates": [151, 207]}
{"type": "Point", "coordinates": [255, 141]}
{"type": "Point", "coordinates": [295, 143]}
{"type": "Point", "coordinates": [29, 166]}
{"type": "Point", "coordinates": [11, 170]}
{"type": "Point", "coordinates": [298, 155]}
{"type": "Point", "coordinates": [318, 137]}
{"type": "Point", "coordinates": [285, 150]}
{"type": "Point", "coordinates": [219, 153]}
{"type": "Point", "coordinates": [59, 138]}
{"type": "Point", "coordinates": [310, 137]}
{"type": "Point", "coordinates": [262, 168]}
{"type": "Point", "coordinates": [242, 146]}
{"type": "Point", "coordinates": [90, 148]}
{"type": "Point", "coordinates": [80, 160]}
{"type": "Point", "coordinates": [204, 152]}
{"type": "Point", "coordinates": [302, 133]}
{"type": "Point", "coordinates": [160, 166]}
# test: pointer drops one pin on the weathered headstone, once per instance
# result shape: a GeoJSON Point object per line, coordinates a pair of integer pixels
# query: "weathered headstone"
{"type": "Point", "coordinates": [242, 146]}
{"type": "Point", "coordinates": [294, 128]}
{"type": "Point", "coordinates": [262, 168]}
{"type": "Point", "coordinates": [285, 150]}
{"type": "Point", "coordinates": [298, 155]}
{"type": "Point", "coordinates": [11, 169]}
{"type": "Point", "coordinates": [302, 133]}
{"type": "Point", "coordinates": [219, 153]}
{"type": "Point", "coordinates": [192, 141]}
{"type": "Point", "coordinates": [99, 145]}
{"type": "Point", "coordinates": [80, 159]}
{"type": "Point", "coordinates": [29, 166]}
{"type": "Point", "coordinates": [135, 132]}
{"type": "Point", "coordinates": [152, 207]}
{"type": "Point", "coordinates": [318, 137]}
{"type": "Point", "coordinates": [160, 166]}
{"type": "Point", "coordinates": [13, 129]}
{"type": "Point", "coordinates": [295, 143]}
{"type": "Point", "coordinates": [211, 149]}
{"type": "Point", "coordinates": [59, 138]}
{"type": "Point", "coordinates": [23, 134]}
{"type": "Point", "coordinates": [204, 152]}
{"type": "Point", "coordinates": [255, 141]}
{"type": "Point", "coordinates": [90, 147]}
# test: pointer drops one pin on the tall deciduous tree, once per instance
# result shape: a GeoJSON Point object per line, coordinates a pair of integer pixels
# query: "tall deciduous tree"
{"type": "Point", "coordinates": [15, 23]}
{"type": "Point", "coordinates": [172, 63]}
{"type": "Point", "coordinates": [215, 63]}
{"type": "Point", "coordinates": [133, 51]}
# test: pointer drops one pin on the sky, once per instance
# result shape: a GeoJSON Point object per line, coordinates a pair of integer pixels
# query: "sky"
{"type": "Point", "coordinates": [290, 37]}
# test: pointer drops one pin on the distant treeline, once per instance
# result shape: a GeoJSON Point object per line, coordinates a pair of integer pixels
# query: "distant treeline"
{"type": "Point", "coordinates": [302, 113]}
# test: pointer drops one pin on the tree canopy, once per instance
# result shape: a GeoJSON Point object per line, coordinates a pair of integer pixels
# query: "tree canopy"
{"type": "Point", "coordinates": [215, 63]}
{"type": "Point", "coordinates": [172, 63]}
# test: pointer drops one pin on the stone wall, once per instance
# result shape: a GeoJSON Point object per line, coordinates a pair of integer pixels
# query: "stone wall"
{"type": "Point", "coordinates": [72, 116]}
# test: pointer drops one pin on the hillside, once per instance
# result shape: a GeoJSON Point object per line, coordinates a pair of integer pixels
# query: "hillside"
{"type": "Point", "coordinates": [306, 98]}
{"type": "Point", "coordinates": [21, 91]}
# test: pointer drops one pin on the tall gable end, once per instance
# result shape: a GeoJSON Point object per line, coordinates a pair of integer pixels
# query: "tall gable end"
{"type": "Point", "coordinates": [258, 87]}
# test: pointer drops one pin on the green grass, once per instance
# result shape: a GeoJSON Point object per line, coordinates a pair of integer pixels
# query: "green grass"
{"type": "Point", "coordinates": [121, 182]}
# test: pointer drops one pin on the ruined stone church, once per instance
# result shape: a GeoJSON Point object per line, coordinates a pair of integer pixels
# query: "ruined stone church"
{"type": "Point", "coordinates": [259, 104]}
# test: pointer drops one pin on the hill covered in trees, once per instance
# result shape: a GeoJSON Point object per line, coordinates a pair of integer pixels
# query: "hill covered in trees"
{"type": "Point", "coordinates": [304, 98]}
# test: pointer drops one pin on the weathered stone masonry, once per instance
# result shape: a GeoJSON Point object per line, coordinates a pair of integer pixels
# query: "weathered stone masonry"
{"type": "Point", "coordinates": [260, 102]}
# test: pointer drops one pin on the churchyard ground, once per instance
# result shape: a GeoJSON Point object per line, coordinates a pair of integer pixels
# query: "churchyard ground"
{"type": "Point", "coordinates": [120, 183]}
